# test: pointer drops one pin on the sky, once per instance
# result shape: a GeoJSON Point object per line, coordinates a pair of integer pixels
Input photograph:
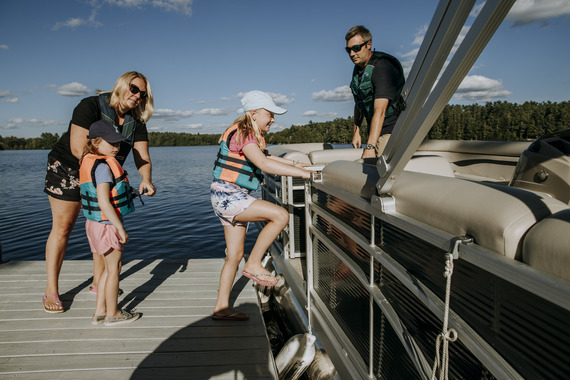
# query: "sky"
{"type": "Point", "coordinates": [201, 56]}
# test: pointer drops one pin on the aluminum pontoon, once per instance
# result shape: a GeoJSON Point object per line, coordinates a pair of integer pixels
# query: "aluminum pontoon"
{"type": "Point", "coordinates": [445, 258]}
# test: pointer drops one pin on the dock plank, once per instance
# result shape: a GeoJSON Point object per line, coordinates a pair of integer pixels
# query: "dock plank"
{"type": "Point", "coordinates": [175, 338]}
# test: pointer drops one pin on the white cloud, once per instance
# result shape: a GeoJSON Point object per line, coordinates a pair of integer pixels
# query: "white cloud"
{"type": "Point", "coordinates": [18, 122]}
{"type": "Point", "coordinates": [325, 115]}
{"type": "Point", "coordinates": [191, 126]}
{"type": "Point", "coordinates": [73, 89]}
{"type": "Point", "coordinates": [420, 34]}
{"type": "Point", "coordinates": [525, 12]}
{"type": "Point", "coordinates": [71, 23]}
{"type": "Point", "coordinates": [7, 97]}
{"type": "Point", "coordinates": [279, 99]}
{"type": "Point", "coordinates": [178, 6]}
{"type": "Point", "coordinates": [5, 47]}
{"type": "Point", "coordinates": [171, 115]}
{"type": "Point", "coordinates": [339, 94]}
{"type": "Point", "coordinates": [480, 89]}
{"type": "Point", "coordinates": [213, 111]}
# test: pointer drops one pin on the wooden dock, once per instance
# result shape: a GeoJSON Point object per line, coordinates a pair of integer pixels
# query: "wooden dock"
{"type": "Point", "coordinates": [175, 338]}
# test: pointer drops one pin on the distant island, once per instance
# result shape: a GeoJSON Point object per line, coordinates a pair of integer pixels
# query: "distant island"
{"type": "Point", "coordinates": [496, 121]}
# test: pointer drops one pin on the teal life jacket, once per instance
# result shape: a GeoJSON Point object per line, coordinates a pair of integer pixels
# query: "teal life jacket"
{"type": "Point", "coordinates": [122, 193]}
{"type": "Point", "coordinates": [130, 124]}
{"type": "Point", "coordinates": [363, 90]}
{"type": "Point", "coordinates": [234, 167]}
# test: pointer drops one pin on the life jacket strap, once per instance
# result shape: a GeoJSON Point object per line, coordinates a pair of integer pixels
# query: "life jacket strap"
{"type": "Point", "coordinates": [233, 168]}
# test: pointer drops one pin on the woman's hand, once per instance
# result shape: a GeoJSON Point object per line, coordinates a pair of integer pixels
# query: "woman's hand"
{"type": "Point", "coordinates": [149, 187]}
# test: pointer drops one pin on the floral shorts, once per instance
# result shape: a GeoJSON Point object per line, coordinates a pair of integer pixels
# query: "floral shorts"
{"type": "Point", "coordinates": [62, 182]}
{"type": "Point", "coordinates": [229, 200]}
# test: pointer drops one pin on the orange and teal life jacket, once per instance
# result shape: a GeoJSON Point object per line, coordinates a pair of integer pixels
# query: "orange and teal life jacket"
{"type": "Point", "coordinates": [121, 196]}
{"type": "Point", "coordinates": [234, 167]}
{"type": "Point", "coordinates": [363, 90]}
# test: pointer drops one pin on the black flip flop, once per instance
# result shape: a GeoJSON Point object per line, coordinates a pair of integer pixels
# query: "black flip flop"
{"type": "Point", "coordinates": [236, 316]}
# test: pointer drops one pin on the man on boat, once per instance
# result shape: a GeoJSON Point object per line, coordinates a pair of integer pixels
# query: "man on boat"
{"type": "Point", "coordinates": [377, 82]}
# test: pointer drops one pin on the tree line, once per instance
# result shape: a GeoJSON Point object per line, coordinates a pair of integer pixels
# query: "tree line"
{"type": "Point", "coordinates": [494, 121]}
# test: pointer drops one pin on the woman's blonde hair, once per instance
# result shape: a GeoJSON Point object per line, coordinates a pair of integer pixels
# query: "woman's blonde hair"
{"type": "Point", "coordinates": [246, 126]}
{"type": "Point", "coordinates": [91, 147]}
{"type": "Point", "coordinates": [145, 109]}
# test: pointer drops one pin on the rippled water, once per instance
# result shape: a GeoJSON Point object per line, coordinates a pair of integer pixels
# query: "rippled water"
{"type": "Point", "coordinates": [178, 222]}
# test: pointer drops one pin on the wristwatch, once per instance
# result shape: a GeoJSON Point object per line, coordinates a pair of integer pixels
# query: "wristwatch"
{"type": "Point", "coordinates": [370, 146]}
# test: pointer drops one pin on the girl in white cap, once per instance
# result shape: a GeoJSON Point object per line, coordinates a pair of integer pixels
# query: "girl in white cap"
{"type": "Point", "coordinates": [237, 170]}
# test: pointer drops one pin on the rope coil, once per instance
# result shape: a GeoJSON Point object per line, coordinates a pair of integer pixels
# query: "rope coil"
{"type": "Point", "coordinates": [447, 335]}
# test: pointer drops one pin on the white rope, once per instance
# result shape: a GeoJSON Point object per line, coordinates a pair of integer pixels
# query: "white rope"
{"type": "Point", "coordinates": [446, 336]}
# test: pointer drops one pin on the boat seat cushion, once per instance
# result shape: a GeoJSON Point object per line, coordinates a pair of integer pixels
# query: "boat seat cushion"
{"type": "Point", "coordinates": [281, 149]}
{"type": "Point", "coordinates": [456, 206]}
{"type": "Point", "coordinates": [323, 157]}
{"type": "Point", "coordinates": [430, 164]}
{"type": "Point", "coordinates": [546, 246]}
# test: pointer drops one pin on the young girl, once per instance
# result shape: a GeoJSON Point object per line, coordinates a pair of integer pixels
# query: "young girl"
{"type": "Point", "coordinates": [237, 171]}
{"type": "Point", "coordinates": [106, 197]}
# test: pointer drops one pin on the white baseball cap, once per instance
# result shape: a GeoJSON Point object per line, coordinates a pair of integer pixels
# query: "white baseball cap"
{"type": "Point", "coordinates": [255, 100]}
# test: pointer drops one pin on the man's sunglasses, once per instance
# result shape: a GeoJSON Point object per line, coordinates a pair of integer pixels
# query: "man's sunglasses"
{"type": "Point", "coordinates": [355, 48]}
{"type": "Point", "coordinates": [135, 90]}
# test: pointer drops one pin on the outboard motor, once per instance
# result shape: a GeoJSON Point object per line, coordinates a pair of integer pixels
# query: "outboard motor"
{"type": "Point", "coordinates": [545, 166]}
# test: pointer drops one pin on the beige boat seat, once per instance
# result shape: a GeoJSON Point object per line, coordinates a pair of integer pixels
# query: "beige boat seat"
{"type": "Point", "coordinates": [546, 246]}
{"type": "Point", "coordinates": [432, 164]}
{"type": "Point", "coordinates": [306, 148]}
{"type": "Point", "coordinates": [298, 152]}
{"type": "Point", "coordinates": [496, 216]}
{"type": "Point", "coordinates": [323, 157]}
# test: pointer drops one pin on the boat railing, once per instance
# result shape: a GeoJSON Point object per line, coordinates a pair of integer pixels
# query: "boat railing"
{"type": "Point", "coordinates": [370, 269]}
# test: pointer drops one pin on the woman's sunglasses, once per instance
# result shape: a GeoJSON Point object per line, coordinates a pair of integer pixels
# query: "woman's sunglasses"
{"type": "Point", "coordinates": [135, 90]}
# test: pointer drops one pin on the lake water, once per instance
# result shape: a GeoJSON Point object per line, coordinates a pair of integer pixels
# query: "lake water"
{"type": "Point", "coordinates": [178, 222]}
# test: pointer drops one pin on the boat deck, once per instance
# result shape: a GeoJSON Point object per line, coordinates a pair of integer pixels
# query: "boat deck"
{"type": "Point", "coordinates": [175, 338]}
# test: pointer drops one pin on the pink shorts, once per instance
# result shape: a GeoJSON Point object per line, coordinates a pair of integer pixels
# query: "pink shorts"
{"type": "Point", "coordinates": [103, 238]}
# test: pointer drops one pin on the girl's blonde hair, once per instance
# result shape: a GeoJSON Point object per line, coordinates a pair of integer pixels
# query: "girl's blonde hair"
{"type": "Point", "coordinates": [91, 147]}
{"type": "Point", "coordinates": [145, 109]}
{"type": "Point", "coordinates": [247, 126]}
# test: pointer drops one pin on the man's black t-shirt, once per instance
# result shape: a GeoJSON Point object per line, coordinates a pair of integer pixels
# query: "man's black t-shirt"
{"type": "Point", "coordinates": [385, 78]}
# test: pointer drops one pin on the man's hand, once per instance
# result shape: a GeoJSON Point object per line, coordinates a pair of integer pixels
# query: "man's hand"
{"type": "Point", "coordinates": [369, 153]}
{"type": "Point", "coordinates": [356, 141]}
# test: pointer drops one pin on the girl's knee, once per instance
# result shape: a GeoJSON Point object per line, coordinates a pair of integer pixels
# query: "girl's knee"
{"type": "Point", "coordinates": [282, 217]}
{"type": "Point", "coordinates": [234, 258]}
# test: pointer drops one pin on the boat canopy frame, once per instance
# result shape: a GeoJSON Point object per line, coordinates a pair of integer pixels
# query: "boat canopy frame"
{"type": "Point", "coordinates": [424, 106]}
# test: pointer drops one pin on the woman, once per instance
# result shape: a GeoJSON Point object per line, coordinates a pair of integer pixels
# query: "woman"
{"type": "Point", "coordinates": [128, 106]}
{"type": "Point", "coordinates": [237, 169]}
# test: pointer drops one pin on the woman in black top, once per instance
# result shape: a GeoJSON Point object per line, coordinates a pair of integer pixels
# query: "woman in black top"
{"type": "Point", "coordinates": [128, 106]}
